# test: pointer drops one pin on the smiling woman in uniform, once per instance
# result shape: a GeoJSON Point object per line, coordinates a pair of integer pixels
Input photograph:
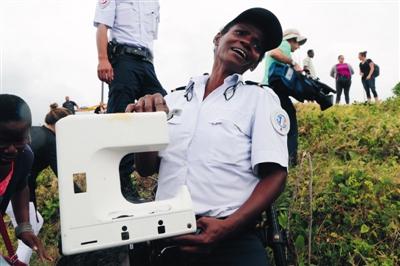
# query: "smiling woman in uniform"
{"type": "Point", "coordinates": [227, 145]}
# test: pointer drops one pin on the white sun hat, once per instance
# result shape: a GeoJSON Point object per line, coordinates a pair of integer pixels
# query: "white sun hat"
{"type": "Point", "coordinates": [293, 33]}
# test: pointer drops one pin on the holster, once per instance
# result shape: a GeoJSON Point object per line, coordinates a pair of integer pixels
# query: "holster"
{"type": "Point", "coordinates": [111, 51]}
{"type": "Point", "coordinates": [115, 49]}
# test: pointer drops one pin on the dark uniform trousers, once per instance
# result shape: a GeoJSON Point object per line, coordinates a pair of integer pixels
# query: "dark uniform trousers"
{"type": "Point", "coordinates": [134, 77]}
{"type": "Point", "coordinates": [246, 249]}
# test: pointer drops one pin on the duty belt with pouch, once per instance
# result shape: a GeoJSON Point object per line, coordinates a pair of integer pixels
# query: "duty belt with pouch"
{"type": "Point", "coordinates": [114, 49]}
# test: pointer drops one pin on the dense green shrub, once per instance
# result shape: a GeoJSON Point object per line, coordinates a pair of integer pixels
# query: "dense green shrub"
{"type": "Point", "coordinates": [396, 89]}
{"type": "Point", "coordinates": [351, 156]}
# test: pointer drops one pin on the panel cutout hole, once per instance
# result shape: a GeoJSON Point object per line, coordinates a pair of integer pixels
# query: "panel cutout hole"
{"type": "Point", "coordinates": [79, 182]}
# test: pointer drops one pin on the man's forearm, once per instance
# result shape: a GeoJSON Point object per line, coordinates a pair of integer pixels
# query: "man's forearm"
{"type": "Point", "coordinates": [20, 204]}
{"type": "Point", "coordinates": [102, 41]}
{"type": "Point", "coordinates": [279, 56]}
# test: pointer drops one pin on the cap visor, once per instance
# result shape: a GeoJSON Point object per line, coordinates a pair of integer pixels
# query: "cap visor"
{"type": "Point", "coordinates": [301, 40]}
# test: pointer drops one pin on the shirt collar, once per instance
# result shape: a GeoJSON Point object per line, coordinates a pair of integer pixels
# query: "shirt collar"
{"type": "Point", "coordinates": [233, 79]}
{"type": "Point", "coordinates": [229, 80]}
{"type": "Point", "coordinates": [201, 81]}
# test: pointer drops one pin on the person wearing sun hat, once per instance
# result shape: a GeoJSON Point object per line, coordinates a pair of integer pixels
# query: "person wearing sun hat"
{"type": "Point", "coordinates": [227, 145]}
{"type": "Point", "coordinates": [291, 41]}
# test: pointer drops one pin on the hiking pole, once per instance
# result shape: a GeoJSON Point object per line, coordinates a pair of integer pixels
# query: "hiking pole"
{"type": "Point", "coordinates": [102, 92]}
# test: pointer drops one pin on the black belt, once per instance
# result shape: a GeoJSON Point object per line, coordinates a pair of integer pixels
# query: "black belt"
{"type": "Point", "coordinates": [142, 52]}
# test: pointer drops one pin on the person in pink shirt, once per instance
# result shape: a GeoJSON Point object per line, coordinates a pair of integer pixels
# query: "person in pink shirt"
{"type": "Point", "coordinates": [342, 73]}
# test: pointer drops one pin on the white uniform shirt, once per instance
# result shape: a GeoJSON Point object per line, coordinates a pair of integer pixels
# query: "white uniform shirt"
{"type": "Point", "coordinates": [132, 22]}
{"type": "Point", "coordinates": [307, 62]}
{"type": "Point", "coordinates": [216, 145]}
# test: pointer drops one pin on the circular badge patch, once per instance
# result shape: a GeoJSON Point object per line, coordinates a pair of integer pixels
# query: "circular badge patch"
{"type": "Point", "coordinates": [280, 121]}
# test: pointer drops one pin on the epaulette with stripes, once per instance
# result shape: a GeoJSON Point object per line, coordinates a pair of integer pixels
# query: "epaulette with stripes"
{"type": "Point", "coordinates": [249, 82]}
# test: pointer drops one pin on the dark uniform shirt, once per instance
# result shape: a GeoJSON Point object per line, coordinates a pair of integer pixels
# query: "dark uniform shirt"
{"type": "Point", "coordinates": [70, 106]}
{"type": "Point", "coordinates": [43, 144]}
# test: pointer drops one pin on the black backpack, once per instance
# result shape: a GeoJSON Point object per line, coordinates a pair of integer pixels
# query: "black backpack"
{"type": "Point", "coordinates": [376, 71]}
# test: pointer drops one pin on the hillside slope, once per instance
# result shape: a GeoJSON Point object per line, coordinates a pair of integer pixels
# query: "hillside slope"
{"type": "Point", "coordinates": [352, 155]}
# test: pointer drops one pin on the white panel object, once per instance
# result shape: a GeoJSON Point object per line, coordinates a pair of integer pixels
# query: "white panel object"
{"type": "Point", "coordinates": [92, 146]}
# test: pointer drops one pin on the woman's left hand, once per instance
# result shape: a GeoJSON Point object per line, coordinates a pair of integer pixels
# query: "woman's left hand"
{"type": "Point", "coordinates": [212, 231]}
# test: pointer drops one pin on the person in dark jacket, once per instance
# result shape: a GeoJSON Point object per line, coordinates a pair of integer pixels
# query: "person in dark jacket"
{"type": "Point", "coordinates": [43, 145]}
{"type": "Point", "coordinates": [16, 159]}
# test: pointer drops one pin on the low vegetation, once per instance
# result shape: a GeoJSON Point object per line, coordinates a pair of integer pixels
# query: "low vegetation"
{"type": "Point", "coordinates": [341, 205]}
{"type": "Point", "coordinates": [347, 186]}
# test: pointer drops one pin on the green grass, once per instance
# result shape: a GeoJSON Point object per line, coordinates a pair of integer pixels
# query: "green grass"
{"type": "Point", "coordinates": [352, 156]}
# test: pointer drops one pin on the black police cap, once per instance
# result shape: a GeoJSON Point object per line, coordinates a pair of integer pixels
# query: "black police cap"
{"type": "Point", "coordinates": [264, 20]}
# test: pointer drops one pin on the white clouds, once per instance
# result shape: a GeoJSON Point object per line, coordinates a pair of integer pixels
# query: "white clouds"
{"type": "Point", "coordinates": [48, 47]}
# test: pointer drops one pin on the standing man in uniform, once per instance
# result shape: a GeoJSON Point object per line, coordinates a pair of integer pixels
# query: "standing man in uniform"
{"type": "Point", "coordinates": [229, 187]}
{"type": "Point", "coordinates": [292, 40]}
{"type": "Point", "coordinates": [126, 62]}
{"type": "Point", "coordinates": [70, 105]}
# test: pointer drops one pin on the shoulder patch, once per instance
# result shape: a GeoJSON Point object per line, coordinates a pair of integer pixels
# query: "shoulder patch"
{"type": "Point", "coordinates": [280, 122]}
{"type": "Point", "coordinates": [104, 3]}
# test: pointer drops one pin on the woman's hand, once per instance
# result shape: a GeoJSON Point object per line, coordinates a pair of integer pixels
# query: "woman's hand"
{"type": "Point", "coordinates": [212, 231]}
{"type": "Point", "coordinates": [35, 244]}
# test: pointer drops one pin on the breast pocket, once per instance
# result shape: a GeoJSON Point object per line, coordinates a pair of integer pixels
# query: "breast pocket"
{"type": "Point", "coordinates": [177, 135]}
{"type": "Point", "coordinates": [127, 14]}
{"type": "Point", "coordinates": [151, 18]}
{"type": "Point", "coordinates": [175, 128]}
{"type": "Point", "coordinates": [230, 138]}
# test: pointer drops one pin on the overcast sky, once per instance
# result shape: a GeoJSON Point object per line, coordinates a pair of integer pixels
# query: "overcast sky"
{"type": "Point", "coordinates": [47, 47]}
